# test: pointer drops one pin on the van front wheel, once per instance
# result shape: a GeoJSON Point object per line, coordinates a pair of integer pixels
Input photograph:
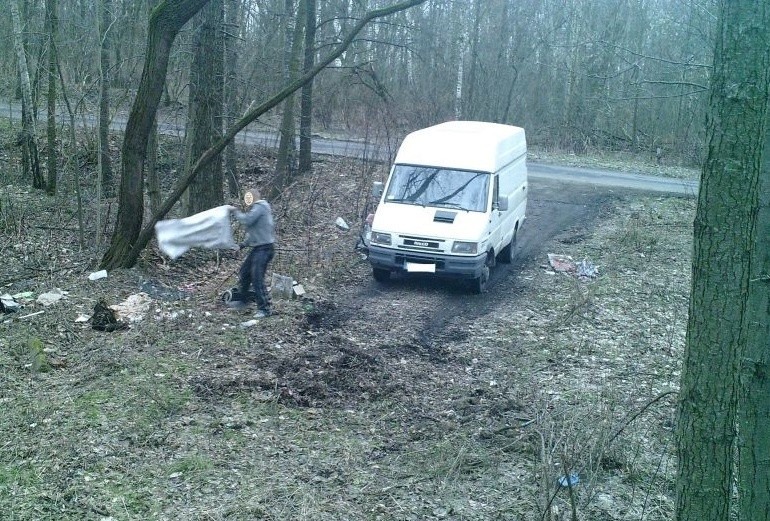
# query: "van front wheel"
{"type": "Point", "coordinates": [479, 284]}
{"type": "Point", "coordinates": [507, 254]}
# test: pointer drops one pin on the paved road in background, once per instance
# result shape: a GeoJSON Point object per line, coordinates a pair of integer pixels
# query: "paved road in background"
{"type": "Point", "coordinates": [362, 149]}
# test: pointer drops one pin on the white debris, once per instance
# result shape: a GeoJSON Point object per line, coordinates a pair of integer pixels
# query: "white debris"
{"type": "Point", "coordinates": [98, 275]}
{"type": "Point", "coordinates": [133, 308]}
{"type": "Point", "coordinates": [51, 297]}
{"type": "Point", "coordinates": [341, 224]}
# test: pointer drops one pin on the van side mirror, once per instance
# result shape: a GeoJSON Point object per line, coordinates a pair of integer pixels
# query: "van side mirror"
{"type": "Point", "coordinates": [502, 204]}
{"type": "Point", "coordinates": [377, 188]}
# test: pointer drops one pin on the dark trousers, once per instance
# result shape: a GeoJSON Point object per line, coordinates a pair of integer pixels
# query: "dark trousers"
{"type": "Point", "coordinates": [253, 274]}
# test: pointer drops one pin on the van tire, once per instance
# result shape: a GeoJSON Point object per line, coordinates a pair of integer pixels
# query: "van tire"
{"type": "Point", "coordinates": [507, 254]}
{"type": "Point", "coordinates": [480, 283]}
{"type": "Point", "coordinates": [381, 275]}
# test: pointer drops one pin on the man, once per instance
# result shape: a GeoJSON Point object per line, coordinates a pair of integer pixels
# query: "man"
{"type": "Point", "coordinates": [260, 236]}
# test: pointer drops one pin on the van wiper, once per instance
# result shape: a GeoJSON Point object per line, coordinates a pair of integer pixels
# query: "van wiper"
{"type": "Point", "coordinates": [405, 200]}
{"type": "Point", "coordinates": [447, 204]}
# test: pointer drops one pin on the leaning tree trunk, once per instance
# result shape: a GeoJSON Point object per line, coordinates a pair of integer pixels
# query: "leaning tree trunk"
{"type": "Point", "coordinates": [165, 22]}
{"type": "Point", "coordinates": [28, 139]}
{"type": "Point", "coordinates": [724, 228]}
{"type": "Point", "coordinates": [204, 120]}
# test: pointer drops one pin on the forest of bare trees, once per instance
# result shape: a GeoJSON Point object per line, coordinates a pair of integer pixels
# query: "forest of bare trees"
{"type": "Point", "coordinates": [622, 75]}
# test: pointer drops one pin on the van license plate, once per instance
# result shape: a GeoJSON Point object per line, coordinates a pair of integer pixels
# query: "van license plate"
{"type": "Point", "coordinates": [417, 267]}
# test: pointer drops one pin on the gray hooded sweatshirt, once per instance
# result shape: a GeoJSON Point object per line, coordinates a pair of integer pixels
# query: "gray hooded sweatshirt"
{"type": "Point", "coordinates": [258, 221]}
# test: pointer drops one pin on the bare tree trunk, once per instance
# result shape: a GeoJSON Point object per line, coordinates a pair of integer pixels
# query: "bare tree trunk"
{"type": "Point", "coordinates": [306, 104]}
{"type": "Point", "coordinates": [232, 31]}
{"type": "Point", "coordinates": [754, 402]}
{"type": "Point", "coordinates": [105, 35]}
{"type": "Point", "coordinates": [717, 330]}
{"type": "Point", "coordinates": [151, 170]}
{"type": "Point", "coordinates": [52, 23]}
{"type": "Point", "coordinates": [459, 78]}
{"type": "Point", "coordinates": [204, 119]}
{"type": "Point", "coordinates": [28, 136]}
{"type": "Point", "coordinates": [470, 111]}
{"type": "Point", "coordinates": [70, 158]}
{"type": "Point", "coordinates": [287, 150]}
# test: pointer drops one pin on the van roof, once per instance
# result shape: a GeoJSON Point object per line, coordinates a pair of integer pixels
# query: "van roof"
{"type": "Point", "coordinates": [463, 145]}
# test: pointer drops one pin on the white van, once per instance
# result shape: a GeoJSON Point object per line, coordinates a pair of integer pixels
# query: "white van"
{"type": "Point", "coordinates": [453, 203]}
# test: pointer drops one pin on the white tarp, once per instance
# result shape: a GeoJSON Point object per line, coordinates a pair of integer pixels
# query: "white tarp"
{"type": "Point", "coordinates": [210, 229]}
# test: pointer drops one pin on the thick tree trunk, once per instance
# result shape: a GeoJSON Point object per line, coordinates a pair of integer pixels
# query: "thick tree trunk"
{"type": "Point", "coordinates": [285, 165]}
{"type": "Point", "coordinates": [165, 22]}
{"type": "Point", "coordinates": [232, 30]}
{"type": "Point", "coordinates": [105, 35]}
{"type": "Point", "coordinates": [28, 136]}
{"type": "Point", "coordinates": [52, 22]}
{"type": "Point", "coordinates": [721, 272]}
{"type": "Point", "coordinates": [754, 403]}
{"type": "Point", "coordinates": [204, 120]}
{"type": "Point", "coordinates": [306, 103]}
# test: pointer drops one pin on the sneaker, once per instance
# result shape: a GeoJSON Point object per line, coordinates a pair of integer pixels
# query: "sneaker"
{"type": "Point", "coordinates": [261, 313]}
{"type": "Point", "coordinates": [235, 304]}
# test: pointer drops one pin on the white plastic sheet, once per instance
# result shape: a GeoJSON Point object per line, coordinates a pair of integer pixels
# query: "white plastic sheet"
{"type": "Point", "coordinates": [210, 229]}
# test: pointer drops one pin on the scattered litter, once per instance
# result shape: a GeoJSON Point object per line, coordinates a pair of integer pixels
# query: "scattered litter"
{"type": "Point", "coordinates": [281, 287]}
{"type": "Point", "coordinates": [561, 263]}
{"type": "Point", "coordinates": [24, 295]}
{"type": "Point", "coordinates": [569, 481]}
{"type": "Point", "coordinates": [584, 269]}
{"type": "Point", "coordinates": [8, 304]}
{"type": "Point", "coordinates": [82, 318]}
{"type": "Point", "coordinates": [587, 270]}
{"type": "Point", "coordinates": [249, 323]}
{"type": "Point", "coordinates": [133, 308]}
{"type": "Point", "coordinates": [102, 274]}
{"type": "Point", "coordinates": [32, 314]}
{"type": "Point", "coordinates": [104, 319]}
{"type": "Point", "coordinates": [299, 291]}
{"type": "Point", "coordinates": [51, 297]}
{"type": "Point", "coordinates": [341, 224]}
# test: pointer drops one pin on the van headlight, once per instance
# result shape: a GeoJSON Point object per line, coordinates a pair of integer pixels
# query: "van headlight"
{"type": "Point", "coordinates": [465, 247]}
{"type": "Point", "coordinates": [380, 238]}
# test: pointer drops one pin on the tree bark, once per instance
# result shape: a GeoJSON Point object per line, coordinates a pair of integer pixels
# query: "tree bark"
{"type": "Point", "coordinates": [105, 36]}
{"type": "Point", "coordinates": [232, 31]}
{"type": "Point", "coordinates": [165, 22]}
{"type": "Point", "coordinates": [287, 149]}
{"type": "Point", "coordinates": [306, 100]}
{"type": "Point", "coordinates": [754, 403]}
{"type": "Point", "coordinates": [204, 120]}
{"type": "Point", "coordinates": [721, 270]}
{"type": "Point", "coordinates": [28, 136]}
{"type": "Point", "coordinates": [131, 254]}
{"type": "Point", "coordinates": [52, 23]}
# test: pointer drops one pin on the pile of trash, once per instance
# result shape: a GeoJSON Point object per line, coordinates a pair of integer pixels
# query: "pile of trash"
{"type": "Point", "coordinates": [584, 270]}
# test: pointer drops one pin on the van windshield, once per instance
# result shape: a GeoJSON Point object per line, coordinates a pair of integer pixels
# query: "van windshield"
{"type": "Point", "coordinates": [432, 186]}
